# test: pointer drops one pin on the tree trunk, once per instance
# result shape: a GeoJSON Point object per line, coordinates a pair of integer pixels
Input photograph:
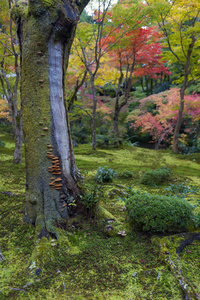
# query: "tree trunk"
{"type": "Point", "coordinates": [115, 122]}
{"type": "Point", "coordinates": [117, 109]}
{"type": "Point", "coordinates": [179, 121]}
{"type": "Point", "coordinates": [51, 172]}
{"type": "Point", "coordinates": [18, 139]}
{"type": "Point", "coordinates": [94, 109]}
{"type": "Point", "coordinates": [187, 71]}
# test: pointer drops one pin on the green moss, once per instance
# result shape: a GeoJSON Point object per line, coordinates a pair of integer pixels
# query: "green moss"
{"type": "Point", "coordinates": [102, 215]}
{"type": "Point", "coordinates": [19, 10]}
{"type": "Point", "coordinates": [48, 3]}
{"type": "Point", "coordinates": [84, 260]}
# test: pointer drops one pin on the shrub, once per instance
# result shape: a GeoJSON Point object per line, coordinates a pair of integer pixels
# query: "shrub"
{"type": "Point", "coordinates": [102, 141]}
{"type": "Point", "coordinates": [105, 174]}
{"type": "Point", "coordinates": [158, 213]}
{"type": "Point", "coordinates": [90, 200]}
{"type": "Point", "coordinates": [154, 177]}
{"type": "Point", "coordinates": [126, 174]}
{"type": "Point", "coordinates": [2, 144]}
{"type": "Point", "coordinates": [109, 90]}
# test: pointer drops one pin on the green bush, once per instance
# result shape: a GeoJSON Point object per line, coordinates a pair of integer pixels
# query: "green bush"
{"type": "Point", "coordinates": [105, 174]}
{"type": "Point", "coordinates": [102, 141]}
{"type": "Point", "coordinates": [109, 90]}
{"type": "Point", "coordinates": [158, 213]}
{"type": "Point", "coordinates": [126, 174]}
{"type": "Point", "coordinates": [2, 144]}
{"type": "Point", "coordinates": [154, 177]}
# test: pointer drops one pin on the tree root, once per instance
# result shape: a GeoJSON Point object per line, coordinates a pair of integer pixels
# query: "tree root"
{"type": "Point", "coordinates": [164, 245]}
{"type": "Point", "coordinates": [187, 288]}
{"type": "Point", "coordinates": [189, 238]}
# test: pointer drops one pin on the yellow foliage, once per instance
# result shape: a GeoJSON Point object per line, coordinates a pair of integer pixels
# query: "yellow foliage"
{"type": "Point", "coordinates": [4, 110]}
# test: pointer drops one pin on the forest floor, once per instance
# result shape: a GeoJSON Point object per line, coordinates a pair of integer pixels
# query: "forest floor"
{"type": "Point", "coordinates": [93, 265]}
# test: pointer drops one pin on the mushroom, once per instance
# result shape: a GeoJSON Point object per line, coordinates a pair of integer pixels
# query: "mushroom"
{"type": "Point", "coordinates": [49, 146]}
{"type": "Point", "coordinates": [40, 53]}
{"type": "Point", "coordinates": [40, 123]}
{"type": "Point", "coordinates": [122, 233]}
{"type": "Point", "coordinates": [39, 61]}
{"type": "Point", "coordinates": [42, 134]}
{"type": "Point", "coordinates": [56, 167]}
{"type": "Point", "coordinates": [55, 158]}
{"type": "Point", "coordinates": [45, 119]}
{"type": "Point", "coordinates": [45, 128]}
{"type": "Point", "coordinates": [58, 179]}
{"type": "Point", "coordinates": [50, 156]}
{"type": "Point", "coordinates": [41, 80]}
{"type": "Point", "coordinates": [56, 162]}
{"type": "Point", "coordinates": [58, 186]}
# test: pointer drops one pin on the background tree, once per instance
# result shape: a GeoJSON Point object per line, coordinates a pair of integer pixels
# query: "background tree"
{"type": "Point", "coordinates": [138, 54]}
{"type": "Point", "coordinates": [46, 31]}
{"type": "Point", "coordinates": [160, 121]}
{"type": "Point", "coordinates": [179, 22]}
{"type": "Point", "coordinates": [10, 75]}
{"type": "Point", "coordinates": [89, 42]}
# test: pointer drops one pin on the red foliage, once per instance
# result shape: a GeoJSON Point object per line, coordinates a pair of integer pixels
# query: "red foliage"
{"type": "Point", "coordinates": [140, 47]}
{"type": "Point", "coordinates": [161, 124]}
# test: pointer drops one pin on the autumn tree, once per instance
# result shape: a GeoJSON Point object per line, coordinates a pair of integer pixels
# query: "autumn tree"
{"type": "Point", "coordinates": [46, 32]}
{"type": "Point", "coordinates": [179, 22]}
{"type": "Point", "coordinates": [88, 48]}
{"type": "Point", "coordinates": [138, 54]}
{"type": "Point", "coordinates": [161, 121]}
{"type": "Point", "coordinates": [10, 75]}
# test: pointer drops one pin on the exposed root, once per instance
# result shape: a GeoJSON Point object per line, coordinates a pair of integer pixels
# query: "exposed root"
{"type": "Point", "coordinates": [166, 253]}
{"type": "Point", "coordinates": [189, 238]}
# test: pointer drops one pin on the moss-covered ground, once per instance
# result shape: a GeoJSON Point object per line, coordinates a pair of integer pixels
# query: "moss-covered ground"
{"type": "Point", "coordinates": [89, 264]}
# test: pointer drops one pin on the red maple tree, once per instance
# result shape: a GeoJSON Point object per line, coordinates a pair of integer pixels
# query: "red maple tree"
{"type": "Point", "coordinates": [138, 54]}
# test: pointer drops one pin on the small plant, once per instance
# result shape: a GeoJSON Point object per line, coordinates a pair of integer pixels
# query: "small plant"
{"type": "Point", "coordinates": [126, 174]}
{"type": "Point", "coordinates": [105, 174]}
{"type": "Point", "coordinates": [159, 213]}
{"type": "Point", "coordinates": [196, 220]}
{"type": "Point", "coordinates": [157, 176]}
{"type": "Point", "coordinates": [91, 199]}
{"type": "Point", "coordinates": [182, 190]}
{"type": "Point", "coordinates": [102, 141]}
{"type": "Point", "coordinates": [2, 144]}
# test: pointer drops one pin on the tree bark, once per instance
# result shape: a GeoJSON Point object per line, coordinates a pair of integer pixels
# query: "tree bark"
{"type": "Point", "coordinates": [187, 72]}
{"type": "Point", "coordinates": [94, 111]}
{"type": "Point", "coordinates": [179, 122]}
{"type": "Point", "coordinates": [18, 139]}
{"type": "Point", "coordinates": [51, 172]}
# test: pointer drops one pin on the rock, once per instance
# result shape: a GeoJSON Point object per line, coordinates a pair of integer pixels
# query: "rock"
{"type": "Point", "coordinates": [109, 230]}
{"type": "Point", "coordinates": [38, 272]}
